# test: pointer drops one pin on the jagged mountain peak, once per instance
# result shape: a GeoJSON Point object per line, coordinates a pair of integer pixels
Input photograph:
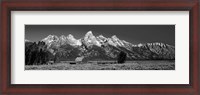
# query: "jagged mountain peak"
{"type": "Point", "coordinates": [70, 36]}
{"type": "Point", "coordinates": [51, 38]}
{"type": "Point", "coordinates": [89, 32]}
{"type": "Point", "coordinates": [63, 37]}
{"type": "Point", "coordinates": [89, 35]}
{"type": "Point", "coordinates": [100, 46]}
{"type": "Point", "coordinates": [90, 39]}
{"type": "Point", "coordinates": [163, 45]}
{"type": "Point", "coordinates": [157, 44]}
{"type": "Point", "coordinates": [115, 37]}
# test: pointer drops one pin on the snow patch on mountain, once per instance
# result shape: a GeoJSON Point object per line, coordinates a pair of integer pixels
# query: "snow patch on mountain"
{"type": "Point", "coordinates": [27, 40]}
{"type": "Point", "coordinates": [72, 41]}
{"type": "Point", "coordinates": [51, 40]}
{"type": "Point", "coordinates": [63, 39]}
{"type": "Point", "coordinates": [117, 41]}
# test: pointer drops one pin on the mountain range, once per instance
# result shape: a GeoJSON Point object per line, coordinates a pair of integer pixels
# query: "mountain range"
{"type": "Point", "coordinates": [102, 48]}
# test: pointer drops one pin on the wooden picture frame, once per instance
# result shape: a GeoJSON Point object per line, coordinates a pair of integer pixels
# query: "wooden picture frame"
{"type": "Point", "coordinates": [99, 5]}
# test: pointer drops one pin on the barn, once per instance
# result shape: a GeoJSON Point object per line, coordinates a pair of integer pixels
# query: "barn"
{"type": "Point", "coordinates": [80, 59]}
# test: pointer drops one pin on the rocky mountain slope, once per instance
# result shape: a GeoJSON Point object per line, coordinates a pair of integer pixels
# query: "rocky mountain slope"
{"type": "Point", "coordinates": [102, 48]}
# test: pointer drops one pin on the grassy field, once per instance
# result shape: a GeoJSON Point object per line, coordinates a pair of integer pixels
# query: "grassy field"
{"type": "Point", "coordinates": [108, 65]}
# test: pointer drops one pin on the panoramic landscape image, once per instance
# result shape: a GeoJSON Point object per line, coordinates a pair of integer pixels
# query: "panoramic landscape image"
{"type": "Point", "coordinates": [99, 47]}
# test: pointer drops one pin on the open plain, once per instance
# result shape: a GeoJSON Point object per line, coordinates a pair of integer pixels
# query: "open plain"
{"type": "Point", "coordinates": [107, 65]}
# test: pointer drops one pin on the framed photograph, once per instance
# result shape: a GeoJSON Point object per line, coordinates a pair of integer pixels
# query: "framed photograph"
{"type": "Point", "coordinates": [140, 47]}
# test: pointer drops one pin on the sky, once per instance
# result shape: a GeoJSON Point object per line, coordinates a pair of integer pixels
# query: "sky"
{"type": "Point", "coordinates": [134, 34]}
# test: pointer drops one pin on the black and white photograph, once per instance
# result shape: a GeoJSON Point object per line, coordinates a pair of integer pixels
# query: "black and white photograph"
{"type": "Point", "coordinates": [99, 47]}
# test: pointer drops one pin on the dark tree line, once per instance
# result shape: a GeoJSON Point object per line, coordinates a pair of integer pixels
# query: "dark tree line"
{"type": "Point", "coordinates": [121, 57]}
{"type": "Point", "coordinates": [36, 53]}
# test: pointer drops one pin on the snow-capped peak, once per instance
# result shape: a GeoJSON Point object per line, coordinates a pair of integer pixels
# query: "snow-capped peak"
{"type": "Point", "coordinates": [90, 39]}
{"type": "Point", "coordinates": [89, 32]}
{"type": "Point", "coordinates": [70, 37]}
{"type": "Point", "coordinates": [89, 35]}
{"type": "Point", "coordinates": [50, 38]}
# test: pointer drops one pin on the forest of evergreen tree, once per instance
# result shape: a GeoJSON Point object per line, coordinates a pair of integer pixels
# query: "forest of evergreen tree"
{"type": "Point", "coordinates": [36, 53]}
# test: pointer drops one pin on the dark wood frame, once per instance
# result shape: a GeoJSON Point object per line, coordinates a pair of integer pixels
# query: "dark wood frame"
{"type": "Point", "coordinates": [98, 5]}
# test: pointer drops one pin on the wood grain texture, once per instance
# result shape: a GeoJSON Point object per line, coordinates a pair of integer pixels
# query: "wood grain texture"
{"type": "Point", "coordinates": [98, 5]}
